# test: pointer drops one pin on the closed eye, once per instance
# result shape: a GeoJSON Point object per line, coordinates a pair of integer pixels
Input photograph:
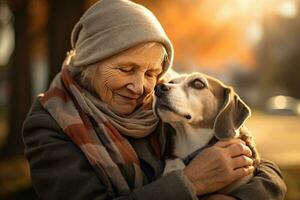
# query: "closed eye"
{"type": "Point", "coordinates": [151, 73]}
{"type": "Point", "coordinates": [126, 69]}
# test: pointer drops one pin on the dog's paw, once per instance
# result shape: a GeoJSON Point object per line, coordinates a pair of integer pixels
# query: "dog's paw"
{"type": "Point", "coordinates": [173, 165]}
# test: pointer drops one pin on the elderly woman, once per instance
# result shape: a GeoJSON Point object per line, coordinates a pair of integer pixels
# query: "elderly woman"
{"type": "Point", "coordinates": [93, 134]}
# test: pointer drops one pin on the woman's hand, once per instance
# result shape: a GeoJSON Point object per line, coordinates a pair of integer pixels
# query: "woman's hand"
{"type": "Point", "coordinates": [219, 165]}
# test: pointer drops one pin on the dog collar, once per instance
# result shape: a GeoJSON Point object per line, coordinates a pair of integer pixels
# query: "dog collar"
{"type": "Point", "coordinates": [191, 156]}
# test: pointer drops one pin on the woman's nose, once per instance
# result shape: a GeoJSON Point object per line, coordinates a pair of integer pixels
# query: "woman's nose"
{"type": "Point", "coordinates": [136, 85]}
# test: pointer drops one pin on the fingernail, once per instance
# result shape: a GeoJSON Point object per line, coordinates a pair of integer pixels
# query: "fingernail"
{"type": "Point", "coordinates": [250, 153]}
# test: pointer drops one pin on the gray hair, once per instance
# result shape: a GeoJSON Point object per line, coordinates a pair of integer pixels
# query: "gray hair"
{"type": "Point", "coordinates": [82, 75]}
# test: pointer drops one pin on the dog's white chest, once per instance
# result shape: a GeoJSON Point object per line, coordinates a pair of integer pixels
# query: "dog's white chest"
{"type": "Point", "coordinates": [190, 140]}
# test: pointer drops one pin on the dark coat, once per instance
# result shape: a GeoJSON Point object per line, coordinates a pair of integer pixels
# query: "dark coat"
{"type": "Point", "coordinates": [59, 170]}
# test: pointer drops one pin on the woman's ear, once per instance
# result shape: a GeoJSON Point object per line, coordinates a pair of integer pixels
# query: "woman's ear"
{"type": "Point", "coordinates": [231, 116]}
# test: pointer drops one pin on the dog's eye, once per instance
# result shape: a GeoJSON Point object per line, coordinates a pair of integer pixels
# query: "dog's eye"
{"type": "Point", "coordinates": [197, 84]}
{"type": "Point", "coordinates": [171, 82]}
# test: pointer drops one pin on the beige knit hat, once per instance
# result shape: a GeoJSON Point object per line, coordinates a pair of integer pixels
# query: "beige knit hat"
{"type": "Point", "coordinates": [112, 26]}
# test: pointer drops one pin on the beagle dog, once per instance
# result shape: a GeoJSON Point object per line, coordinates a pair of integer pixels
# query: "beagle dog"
{"type": "Point", "coordinates": [201, 110]}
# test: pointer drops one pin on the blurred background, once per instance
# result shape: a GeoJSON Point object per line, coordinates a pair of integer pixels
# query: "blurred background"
{"type": "Point", "coordinates": [253, 45]}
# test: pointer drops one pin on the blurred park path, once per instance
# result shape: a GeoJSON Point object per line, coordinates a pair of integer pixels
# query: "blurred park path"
{"type": "Point", "coordinates": [277, 137]}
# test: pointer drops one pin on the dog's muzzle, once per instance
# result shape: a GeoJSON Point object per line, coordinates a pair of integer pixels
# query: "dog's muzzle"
{"type": "Point", "coordinates": [163, 103]}
{"type": "Point", "coordinates": [161, 90]}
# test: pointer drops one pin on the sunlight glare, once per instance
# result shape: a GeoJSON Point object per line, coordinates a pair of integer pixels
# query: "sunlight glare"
{"type": "Point", "coordinates": [280, 102]}
{"type": "Point", "coordinates": [288, 9]}
{"type": "Point", "coordinates": [298, 108]}
{"type": "Point", "coordinates": [254, 33]}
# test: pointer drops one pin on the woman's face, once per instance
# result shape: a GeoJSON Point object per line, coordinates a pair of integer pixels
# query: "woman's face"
{"type": "Point", "coordinates": [124, 80]}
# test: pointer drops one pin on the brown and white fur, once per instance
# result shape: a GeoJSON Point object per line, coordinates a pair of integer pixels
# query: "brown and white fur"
{"type": "Point", "coordinates": [201, 109]}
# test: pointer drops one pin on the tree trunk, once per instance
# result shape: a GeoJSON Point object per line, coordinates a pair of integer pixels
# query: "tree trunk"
{"type": "Point", "coordinates": [62, 17]}
{"type": "Point", "coordinates": [20, 82]}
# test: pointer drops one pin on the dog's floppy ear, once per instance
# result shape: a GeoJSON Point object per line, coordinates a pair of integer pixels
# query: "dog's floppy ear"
{"type": "Point", "coordinates": [231, 116]}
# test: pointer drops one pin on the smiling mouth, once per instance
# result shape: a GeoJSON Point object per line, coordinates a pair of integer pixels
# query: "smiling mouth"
{"type": "Point", "coordinates": [128, 98]}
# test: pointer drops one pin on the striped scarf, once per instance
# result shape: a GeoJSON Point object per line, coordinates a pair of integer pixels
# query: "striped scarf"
{"type": "Point", "coordinates": [80, 115]}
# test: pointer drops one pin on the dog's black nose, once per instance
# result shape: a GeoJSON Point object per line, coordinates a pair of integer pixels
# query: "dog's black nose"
{"type": "Point", "coordinates": [160, 89]}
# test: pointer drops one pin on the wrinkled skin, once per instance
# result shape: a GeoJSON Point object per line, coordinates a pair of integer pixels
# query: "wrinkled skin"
{"type": "Point", "coordinates": [219, 166]}
{"type": "Point", "coordinates": [123, 81]}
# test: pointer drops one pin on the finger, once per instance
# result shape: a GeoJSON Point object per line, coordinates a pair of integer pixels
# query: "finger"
{"type": "Point", "coordinates": [241, 161]}
{"type": "Point", "coordinates": [238, 149]}
{"type": "Point", "coordinates": [226, 143]}
{"type": "Point", "coordinates": [243, 171]}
